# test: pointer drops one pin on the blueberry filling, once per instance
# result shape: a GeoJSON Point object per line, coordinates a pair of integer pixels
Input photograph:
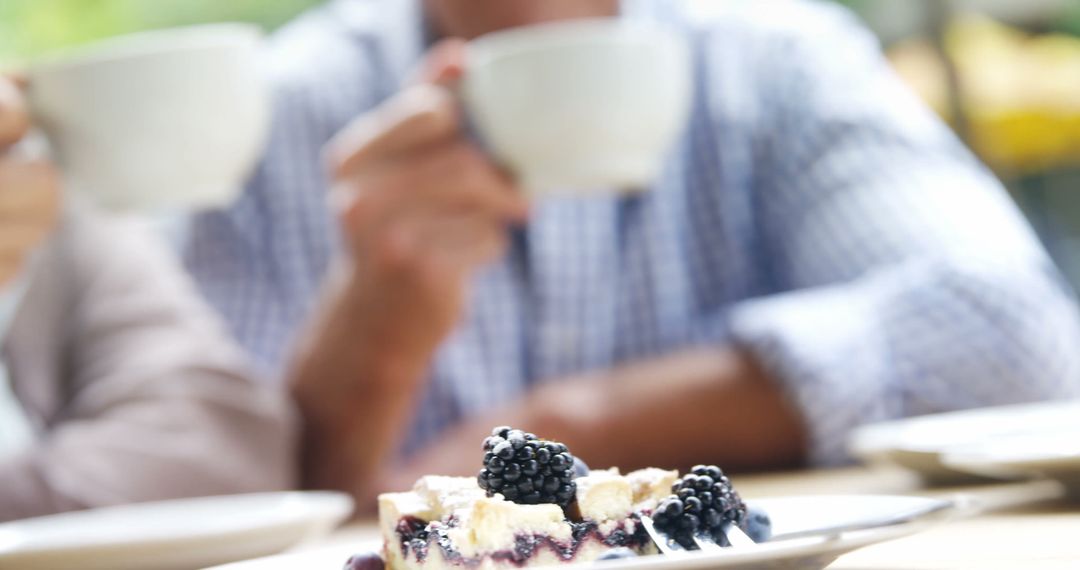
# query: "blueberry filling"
{"type": "Point", "coordinates": [638, 538]}
{"type": "Point", "coordinates": [417, 538]}
{"type": "Point", "coordinates": [413, 534]}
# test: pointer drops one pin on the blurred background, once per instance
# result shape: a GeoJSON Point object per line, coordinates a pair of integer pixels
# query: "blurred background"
{"type": "Point", "coordinates": [1004, 73]}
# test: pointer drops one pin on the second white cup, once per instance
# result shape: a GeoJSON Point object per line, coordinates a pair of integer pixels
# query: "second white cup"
{"type": "Point", "coordinates": [581, 106]}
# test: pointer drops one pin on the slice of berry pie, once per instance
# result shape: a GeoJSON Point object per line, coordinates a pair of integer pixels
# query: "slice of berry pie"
{"type": "Point", "coordinates": [535, 504]}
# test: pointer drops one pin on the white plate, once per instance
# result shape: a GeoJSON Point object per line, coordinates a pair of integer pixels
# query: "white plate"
{"type": "Point", "coordinates": [1055, 456]}
{"type": "Point", "coordinates": [789, 514]}
{"type": "Point", "coordinates": [920, 443]}
{"type": "Point", "coordinates": [187, 533]}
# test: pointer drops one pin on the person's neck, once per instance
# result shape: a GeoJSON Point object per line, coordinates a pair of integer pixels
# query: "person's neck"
{"type": "Point", "coordinates": [449, 18]}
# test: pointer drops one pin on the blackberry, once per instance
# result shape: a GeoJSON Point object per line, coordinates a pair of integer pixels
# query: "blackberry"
{"type": "Point", "coordinates": [527, 470]}
{"type": "Point", "coordinates": [702, 501]}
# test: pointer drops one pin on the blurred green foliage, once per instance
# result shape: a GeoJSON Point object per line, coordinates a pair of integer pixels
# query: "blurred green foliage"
{"type": "Point", "coordinates": [30, 27]}
{"type": "Point", "coordinates": [1071, 23]}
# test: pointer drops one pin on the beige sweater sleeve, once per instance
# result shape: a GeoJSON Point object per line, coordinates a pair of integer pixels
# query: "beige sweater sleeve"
{"type": "Point", "coordinates": [140, 393]}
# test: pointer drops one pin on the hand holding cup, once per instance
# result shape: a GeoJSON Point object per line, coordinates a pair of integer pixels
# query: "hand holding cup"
{"type": "Point", "coordinates": [29, 188]}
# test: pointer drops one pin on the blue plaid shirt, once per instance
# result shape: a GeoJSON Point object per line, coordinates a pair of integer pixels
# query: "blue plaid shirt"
{"type": "Point", "coordinates": [814, 212]}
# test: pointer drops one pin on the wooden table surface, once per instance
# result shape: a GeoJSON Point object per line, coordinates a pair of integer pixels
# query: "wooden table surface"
{"type": "Point", "coordinates": [1026, 525]}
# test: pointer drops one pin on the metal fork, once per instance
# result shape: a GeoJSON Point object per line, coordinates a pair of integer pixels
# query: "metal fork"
{"type": "Point", "coordinates": [735, 536]}
{"type": "Point", "coordinates": [665, 545]}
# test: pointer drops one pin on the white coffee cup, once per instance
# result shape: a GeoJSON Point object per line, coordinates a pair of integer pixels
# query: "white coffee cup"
{"type": "Point", "coordinates": [581, 106]}
{"type": "Point", "coordinates": [161, 119]}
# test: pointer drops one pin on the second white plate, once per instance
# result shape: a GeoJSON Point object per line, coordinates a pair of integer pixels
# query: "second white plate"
{"type": "Point", "coordinates": [188, 533]}
{"type": "Point", "coordinates": [1055, 456]}
{"type": "Point", "coordinates": [920, 444]}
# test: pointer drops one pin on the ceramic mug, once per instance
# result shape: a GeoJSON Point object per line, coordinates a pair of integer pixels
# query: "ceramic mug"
{"type": "Point", "coordinates": [155, 120]}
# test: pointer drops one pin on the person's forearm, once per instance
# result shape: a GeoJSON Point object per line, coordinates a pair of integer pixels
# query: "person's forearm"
{"type": "Point", "coordinates": [355, 397]}
{"type": "Point", "coordinates": [700, 406]}
{"type": "Point", "coordinates": [697, 406]}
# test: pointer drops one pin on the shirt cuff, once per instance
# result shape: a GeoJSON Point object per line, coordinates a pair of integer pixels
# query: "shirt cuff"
{"type": "Point", "coordinates": [829, 353]}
